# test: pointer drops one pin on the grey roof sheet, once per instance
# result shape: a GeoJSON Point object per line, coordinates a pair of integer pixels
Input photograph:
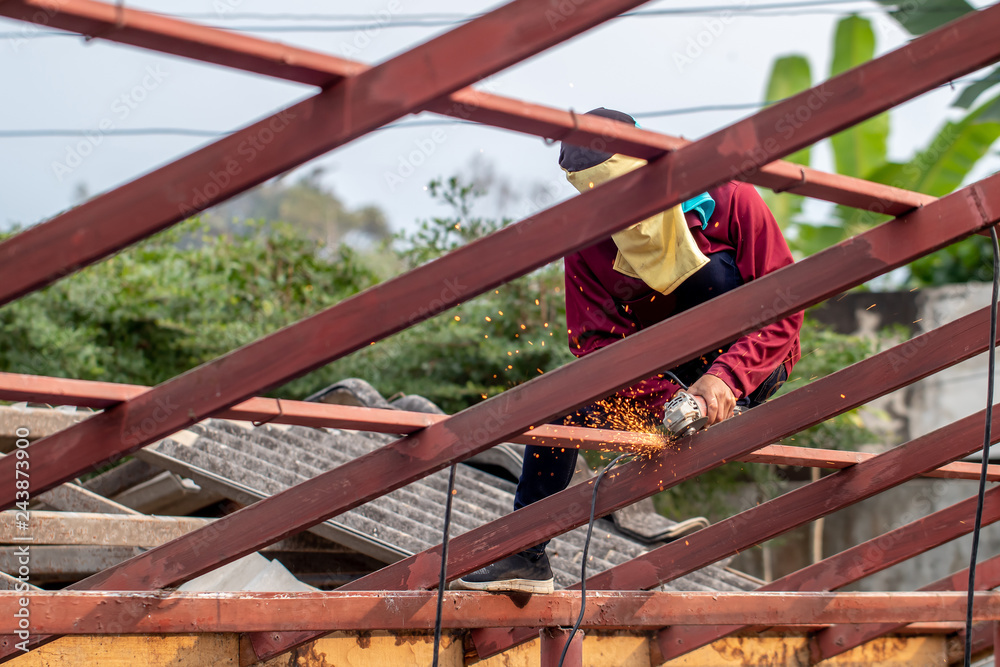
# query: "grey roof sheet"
{"type": "Point", "coordinates": [247, 463]}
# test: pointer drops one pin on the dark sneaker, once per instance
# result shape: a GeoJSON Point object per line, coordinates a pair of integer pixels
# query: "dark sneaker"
{"type": "Point", "coordinates": [519, 573]}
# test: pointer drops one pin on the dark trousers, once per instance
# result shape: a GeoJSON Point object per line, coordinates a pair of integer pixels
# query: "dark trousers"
{"type": "Point", "coordinates": [548, 470]}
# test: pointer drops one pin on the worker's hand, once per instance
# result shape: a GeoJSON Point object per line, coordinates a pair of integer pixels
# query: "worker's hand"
{"type": "Point", "coordinates": [718, 397]}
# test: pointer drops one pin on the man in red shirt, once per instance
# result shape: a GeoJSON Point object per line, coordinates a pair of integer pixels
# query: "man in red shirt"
{"type": "Point", "coordinates": [735, 231]}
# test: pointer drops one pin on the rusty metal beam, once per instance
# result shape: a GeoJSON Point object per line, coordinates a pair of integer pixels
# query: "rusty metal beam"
{"type": "Point", "coordinates": [62, 391]}
{"type": "Point", "coordinates": [345, 111]}
{"type": "Point", "coordinates": [116, 23]}
{"type": "Point", "coordinates": [781, 417]}
{"type": "Point", "coordinates": [93, 612]}
{"type": "Point", "coordinates": [838, 639]}
{"type": "Point", "coordinates": [384, 309]}
{"type": "Point", "coordinates": [552, 643]}
{"type": "Point", "coordinates": [103, 21]}
{"type": "Point", "coordinates": [854, 564]}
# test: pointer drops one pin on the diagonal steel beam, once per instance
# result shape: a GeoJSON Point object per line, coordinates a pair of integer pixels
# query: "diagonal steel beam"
{"type": "Point", "coordinates": [851, 565]}
{"type": "Point", "coordinates": [533, 242]}
{"type": "Point", "coordinates": [251, 54]}
{"type": "Point", "coordinates": [839, 639]}
{"type": "Point", "coordinates": [64, 391]}
{"type": "Point", "coordinates": [342, 113]}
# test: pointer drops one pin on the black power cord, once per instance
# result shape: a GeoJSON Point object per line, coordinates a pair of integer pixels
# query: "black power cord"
{"type": "Point", "coordinates": [986, 445]}
{"type": "Point", "coordinates": [444, 563]}
{"type": "Point", "coordinates": [586, 548]}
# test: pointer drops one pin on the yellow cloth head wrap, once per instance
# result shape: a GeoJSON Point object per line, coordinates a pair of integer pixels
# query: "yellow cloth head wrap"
{"type": "Point", "coordinates": [659, 250]}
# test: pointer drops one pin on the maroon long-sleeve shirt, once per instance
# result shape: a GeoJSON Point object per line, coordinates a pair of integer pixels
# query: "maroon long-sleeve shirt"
{"type": "Point", "coordinates": [603, 305]}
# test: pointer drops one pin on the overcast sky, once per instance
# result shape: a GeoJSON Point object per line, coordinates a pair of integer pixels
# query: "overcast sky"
{"type": "Point", "coordinates": [637, 64]}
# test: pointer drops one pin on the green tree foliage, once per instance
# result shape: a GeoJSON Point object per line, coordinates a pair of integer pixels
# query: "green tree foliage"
{"type": "Point", "coordinates": [937, 169]}
{"type": "Point", "coordinates": [166, 305]}
{"type": "Point", "coordinates": [307, 205]}
{"type": "Point", "coordinates": [477, 349]}
{"type": "Point", "coordinates": [790, 75]}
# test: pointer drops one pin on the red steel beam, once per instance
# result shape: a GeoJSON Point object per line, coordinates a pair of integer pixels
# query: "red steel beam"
{"type": "Point", "coordinates": [852, 565]}
{"type": "Point", "coordinates": [841, 638]}
{"type": "Point", "coordinates": [345, 111]}
{"type": "Point", "coordinates": [534, 242]}
{"type": "Point", "coordinates": [120, 24]}
{"type": "Point", "coordinates": [92, 612]}
{"type": "Point", "coordinates": [87, 393]}
{"type": "Point", "coordinates": [780, 417]}
{"type": "Point", "coordinates": [251, 54]}
{"type": "Point", "coordinates": [554, 652]}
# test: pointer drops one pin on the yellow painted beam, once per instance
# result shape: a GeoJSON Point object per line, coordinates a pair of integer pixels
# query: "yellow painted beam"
{"type": "Point", "coordinates": [793, 651]}
{"type": "Point", "coordinates": [218, 650]}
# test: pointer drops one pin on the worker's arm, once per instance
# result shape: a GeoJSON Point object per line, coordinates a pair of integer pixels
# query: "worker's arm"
{"type": "Point", "coordinates": [594, 321]}
{"type": "Point", "coordinates": [760, 249]}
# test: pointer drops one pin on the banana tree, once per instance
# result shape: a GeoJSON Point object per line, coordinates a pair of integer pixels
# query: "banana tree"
{"type": "Point", "coordinates": [939, 168]}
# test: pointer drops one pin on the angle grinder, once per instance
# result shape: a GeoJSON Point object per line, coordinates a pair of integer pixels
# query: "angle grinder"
{"type": "Point", "coordinates": [686, 414]}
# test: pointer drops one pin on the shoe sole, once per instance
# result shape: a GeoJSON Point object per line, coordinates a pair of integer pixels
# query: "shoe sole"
{"type": "Point", "coordinates": [506, 586]}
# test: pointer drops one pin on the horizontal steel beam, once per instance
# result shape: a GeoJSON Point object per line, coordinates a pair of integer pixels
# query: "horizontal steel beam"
{"type": "Point", "coordinates": [838, 639]}
{"type": "Point", "coordinates": [91, 612]}
{"type": "Point", "coordinates": [62, 391]}
{"type": "Point", "coordinates": [854, 564]}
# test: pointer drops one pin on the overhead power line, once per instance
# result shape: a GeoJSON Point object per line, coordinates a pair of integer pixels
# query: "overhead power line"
{"type": "Point", "coordinates": [179, 131]}
{"type": "Point", "coordinates": [439, 19]}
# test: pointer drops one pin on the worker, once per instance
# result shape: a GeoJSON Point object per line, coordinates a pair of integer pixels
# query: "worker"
{"type": "Point", "coordinates": [636, 278]}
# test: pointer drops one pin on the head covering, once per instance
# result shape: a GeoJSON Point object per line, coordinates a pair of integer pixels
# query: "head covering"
{"type": "Point", "coordinates": [659, 250]}
{"type": "Point", "coordinates": [578, 158]}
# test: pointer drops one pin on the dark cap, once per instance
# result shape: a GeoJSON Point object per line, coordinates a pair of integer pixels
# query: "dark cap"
{"type": "Point", "coordinates": [578, 158]}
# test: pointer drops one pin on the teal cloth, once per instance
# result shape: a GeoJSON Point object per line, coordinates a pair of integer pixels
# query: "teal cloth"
{"type": "Point", "coordinates": [703, 205]}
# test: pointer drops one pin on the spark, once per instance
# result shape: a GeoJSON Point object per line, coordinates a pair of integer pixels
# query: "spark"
{"type": "Point", "coordinates": [458, 319]}
{"type": "Point", "coordinates": [489, 319]}
{"type": "Point", "coordinates": [870, 307]}
{"type": "Point", "coordinates": [536, 302]}
{"type": "Point", "coordinates": [500, 312]}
